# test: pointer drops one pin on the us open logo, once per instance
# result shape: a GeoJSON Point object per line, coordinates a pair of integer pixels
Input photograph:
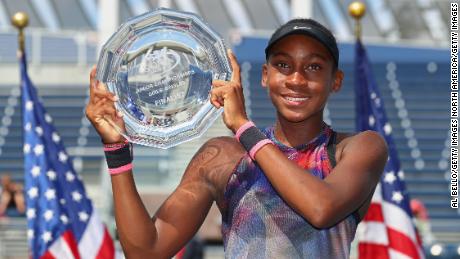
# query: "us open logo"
{"type": "Point", "coordinates": [159, 62]}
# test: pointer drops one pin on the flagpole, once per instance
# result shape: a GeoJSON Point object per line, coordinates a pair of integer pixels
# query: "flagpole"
{"type": "Point", "coordinates": [20, 20]}
{"type": "Point", "coordinates": [357, 10]}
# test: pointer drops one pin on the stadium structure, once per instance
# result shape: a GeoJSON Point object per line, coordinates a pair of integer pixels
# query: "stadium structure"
{"type": "Point", "coordinates": [407, 41]}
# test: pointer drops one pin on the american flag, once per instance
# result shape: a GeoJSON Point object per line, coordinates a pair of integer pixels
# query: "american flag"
{"type": "Point", "coordinates": [62, 222]}
{"type": "Point", "coordinates": [387, 230]}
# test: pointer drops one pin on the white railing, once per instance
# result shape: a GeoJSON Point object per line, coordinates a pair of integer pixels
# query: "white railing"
{"type": "Point", "coordinates": [13, 238]}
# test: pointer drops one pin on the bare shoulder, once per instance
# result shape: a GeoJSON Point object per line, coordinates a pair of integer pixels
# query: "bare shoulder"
{"type": "Point", "coordinates": [218, 150]}
{"type": "Point", "coordinates": [229, 145]}
{"type": "Point", "coordinates": [368, 143]}
{"type": "Point", "coordinates": [215, 161]}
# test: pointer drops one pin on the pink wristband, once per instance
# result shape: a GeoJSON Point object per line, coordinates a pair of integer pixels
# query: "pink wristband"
{"type": "Point", "coordinates": [121, 169]}
{"type": "Point", "coordinates": [258, 146]}
{"type": "Point", "coordinates": [115, 146]}
{"type": "Point", "coordinates": [243, 127]}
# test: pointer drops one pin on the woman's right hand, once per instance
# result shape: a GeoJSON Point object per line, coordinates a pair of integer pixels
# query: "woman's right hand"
{"type": "Point", "coordinates": [100, 108]}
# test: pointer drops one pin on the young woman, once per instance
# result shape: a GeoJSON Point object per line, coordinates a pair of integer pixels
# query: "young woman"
{"type": "Point", "coordinates": [294, 190]}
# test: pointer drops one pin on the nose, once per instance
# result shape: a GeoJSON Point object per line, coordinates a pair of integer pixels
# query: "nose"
{"type": "Point", "coordinates": [296, 79]}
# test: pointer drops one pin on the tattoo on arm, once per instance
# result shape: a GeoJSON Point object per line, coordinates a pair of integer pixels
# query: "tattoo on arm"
{"type": "Point", "coordinates": [214, 163]}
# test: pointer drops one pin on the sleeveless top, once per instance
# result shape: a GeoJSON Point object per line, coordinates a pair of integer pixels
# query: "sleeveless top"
{"type": "Point", "coordinates": [257, 223]}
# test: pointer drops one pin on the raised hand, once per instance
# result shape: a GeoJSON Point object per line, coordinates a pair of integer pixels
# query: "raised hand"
{"type": "Point", "coordinates": [229, 95]}
{"type": "Point", "coordinates": [101, 108]}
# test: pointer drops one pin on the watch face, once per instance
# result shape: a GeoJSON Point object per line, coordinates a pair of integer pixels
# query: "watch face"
{"type": "Point", "coordinates": [161, 65]}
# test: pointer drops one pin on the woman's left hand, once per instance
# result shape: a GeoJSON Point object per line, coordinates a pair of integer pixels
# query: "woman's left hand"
{"type": "Point", "coordinates": [229, 95]}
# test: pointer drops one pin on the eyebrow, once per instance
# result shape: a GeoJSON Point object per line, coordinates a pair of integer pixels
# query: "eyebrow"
{"type": "Point", "coordinates": [312, 55]}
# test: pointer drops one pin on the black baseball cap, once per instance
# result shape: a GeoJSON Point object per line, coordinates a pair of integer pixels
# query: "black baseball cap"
{"type": "Point", "coordinates": [308, 27]}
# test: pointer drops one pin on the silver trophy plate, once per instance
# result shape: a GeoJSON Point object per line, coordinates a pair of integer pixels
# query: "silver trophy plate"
{"type": "Point", "coordinates": [161, 65]}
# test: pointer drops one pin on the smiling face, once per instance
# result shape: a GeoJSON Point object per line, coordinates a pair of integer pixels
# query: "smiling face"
{"type": "Point", "coordinates": [300, 74]}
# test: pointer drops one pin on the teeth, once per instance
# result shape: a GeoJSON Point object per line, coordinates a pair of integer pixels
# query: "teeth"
{"type": "Point", "coordinates": [296, 99]}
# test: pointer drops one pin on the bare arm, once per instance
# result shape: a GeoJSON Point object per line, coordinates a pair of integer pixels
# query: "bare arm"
{"type": "Point", "coordinates": [19, 198]}
{"type": "Point", "coordinates": [183, 212]}
{"type": "Point", "coordinates": [4, 200]}
{"type": "Point", "coordinates": [174, 224]}
{"type": "Point", "coordinates": [181, 215]}
{"type": "Point", "coordinates": [324, 203]}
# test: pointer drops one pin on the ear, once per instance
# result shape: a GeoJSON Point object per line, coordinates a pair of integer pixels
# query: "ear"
{"type": "Point", "coordinates": [338, 79]}
{"type": "Point", "coordinates": [264, 75]}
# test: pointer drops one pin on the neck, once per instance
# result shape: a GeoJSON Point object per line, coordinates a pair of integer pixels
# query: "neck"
{"type": "Point", "coordinates": [293, 134]}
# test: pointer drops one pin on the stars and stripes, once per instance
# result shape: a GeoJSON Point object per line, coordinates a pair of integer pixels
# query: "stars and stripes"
{"type": "Point", "coordinates": [61, 220]}
{"type": "Point", "coordinates": [387, 230]}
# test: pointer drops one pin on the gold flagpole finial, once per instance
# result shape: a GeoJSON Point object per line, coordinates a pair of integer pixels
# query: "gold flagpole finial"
{"type": "Point", "coordinates": [20, 20]}
{"type": "Point", "coordinates": [357, 10]}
